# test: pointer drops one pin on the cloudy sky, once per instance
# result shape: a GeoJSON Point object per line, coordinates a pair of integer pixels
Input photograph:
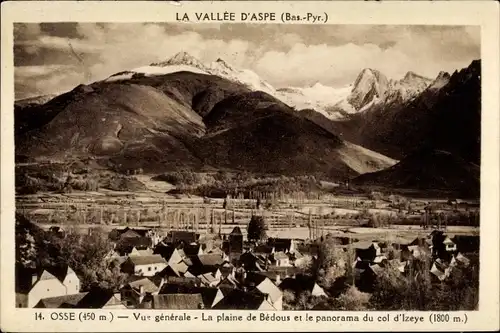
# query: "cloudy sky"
{"type": "Point", "coordinates": [55, 57]}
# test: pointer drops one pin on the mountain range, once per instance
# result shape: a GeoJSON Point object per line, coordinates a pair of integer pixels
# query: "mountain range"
{"type": "Point", "coordinates": [182, 113]}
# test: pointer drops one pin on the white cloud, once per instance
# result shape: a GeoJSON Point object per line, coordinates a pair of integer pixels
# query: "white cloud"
{"type": "Point", "coordinates": [283, 56]}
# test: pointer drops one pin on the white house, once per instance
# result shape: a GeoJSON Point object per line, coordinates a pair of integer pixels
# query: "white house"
{"type": "Point", "coordinates": [144, 265]}
{"type": "Point", "coordinates": [52, 282]}
{"type": "Point", "coordinates": [281, 259]}
{"type": "Point", "coordinates": [449, 244]}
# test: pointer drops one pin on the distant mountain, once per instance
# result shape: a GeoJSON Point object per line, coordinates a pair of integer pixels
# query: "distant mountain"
{"type": "Point", "coordinates": [179, 114]}
{"type": "Point", "coordinates": [428, 169]}
{"type": "Point", "coordinates": [445, 116]}
{"type": "Point", "coordinates": [183, 61]}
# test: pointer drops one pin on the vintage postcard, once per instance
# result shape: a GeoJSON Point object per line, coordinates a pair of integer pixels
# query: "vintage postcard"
{"type": "Point", "coordinates": [249, 166]}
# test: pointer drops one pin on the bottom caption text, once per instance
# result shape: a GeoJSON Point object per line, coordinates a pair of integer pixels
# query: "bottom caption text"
{"type": "Point", "coordinates": [432, 318]}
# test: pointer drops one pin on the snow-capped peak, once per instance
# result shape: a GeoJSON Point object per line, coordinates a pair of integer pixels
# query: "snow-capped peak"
{"type": "Point", "coordinates": [181, 58]}
{"type": "Point", "coordinates": [369, 84]}
{"type": "Point", "coordinates": [441, 80]}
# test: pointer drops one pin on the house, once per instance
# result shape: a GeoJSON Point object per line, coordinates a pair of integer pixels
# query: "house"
{"type": "Point", "coordinates": [209, 275]}
{"type": "Point", "coordinates": [125, 245]}
{"type": "Point", "coordinates": [367, 253]}
{"type": "Point", "coordinates": [134, 292]}
{"type": "Point", "coordinates": [179, 281]}
{"type": "Point", "coordinates": [144, 265]}
{"type": "Point", "coordinates": [210, 295]}
{"type": "Point", "coordinates": [277, 274]}
{"type": "Point", "coordinates": [450, 246]}
{"type": "Point", "coordinates": [301, 283]}
{"type": "Point", "coordinates": [57, 231]}
{"type": "Point", "coordinates": [145, 252]}
{"type": "Point", "coordinates": [208, 260]}
{"type": "Point", "coordinates": [418, 251]}
{"type": "Point", "coordinates": [280, 259]}
{"type": "Point", "coordinates": [282, 244]}
{"type": "Point", "coordinates": [251, 262]}
{"type": "Point", "coordinates": [178, 237]}
{"type": "Point", "coordinates": [99, 298]}
{"type": "Point", "coordinates": [229, 282]}
{"type": "Point", "coordinates": [439, 271]}
{"type": "Point", "coordinates": [236, 299]}
{"type": "Point", "coordinates": [255, 281]}
{"type": "Point", "coordinates": [178, 301]}
{"type": "Point", "coordinates": [32, 286]}
{"type": "Point", "coordinates": [460, 260]}
{"type": "Point", "coordinates": [210, 279]}
{"type": "Point", "coordinates": [65, 301]}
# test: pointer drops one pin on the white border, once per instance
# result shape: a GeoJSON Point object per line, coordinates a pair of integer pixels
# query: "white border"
{"type": "Point", "coordinates": [480, 13]}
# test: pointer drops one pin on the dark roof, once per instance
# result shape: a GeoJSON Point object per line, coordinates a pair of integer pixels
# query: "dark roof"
{"type": "Point", "coordinates": [197, 269]}
{"type": "Point", "coordinates": [366, 254]}
{"type": "Point", "coordinates": [24, 276]}
{"type": "Point", "coordinates": [60, 301]}
{"type": "Point", "coordinates": [298, 284]}
{"type": "Point", "coordinates": [263, 248]}
{"type": "Point", "coordinates": [254, 279]}
{"type": "Point", "coordinates": [212, 259]}
{"type": "Point", "coordinates": [178, 301]}
{"type": "Point", "coordinates": [131, 232]}
{"type": "Point", "coordinates": [147, 260]}
{"type": "Point", "coordinates": [280, 244]}
{"type": "Point", "coordinates": [189, 281]}
{"type": "Point", "coordinates": [168, 271]}
{"type": "Point", "coordinates": [60, 271]}
{"type": "Point", "coordinates": [95, 299]}
{"type": "Point", "coordinates": [191, 250]}
{"type": "Point", "coordinates": [207, 293]}
{"type": "Point", "coordinates": [241, 300]}
{"type": "Point", "coordinates": [164, 251]}
{"type": "Point", "coordinates": [177, 236]}
{"type": "Point", "coordinates": [282, 272]}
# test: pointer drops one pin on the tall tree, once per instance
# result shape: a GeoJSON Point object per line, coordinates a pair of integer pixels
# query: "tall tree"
{"type": "Point", "coordinates": [256, 229]}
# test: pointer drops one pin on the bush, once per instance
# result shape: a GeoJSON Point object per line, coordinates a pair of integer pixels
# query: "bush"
{"type": "Point", "coordinates": [353, 300]}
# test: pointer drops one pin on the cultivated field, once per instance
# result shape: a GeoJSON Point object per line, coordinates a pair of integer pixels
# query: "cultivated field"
{"type": "Point", "coordinates": [303, 219]}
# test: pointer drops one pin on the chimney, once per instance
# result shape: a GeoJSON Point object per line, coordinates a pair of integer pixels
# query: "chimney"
{"type": "Point", "coordinates": [278, 279]}
{"type": "Point", "coordinates": [34, 278]}
{"type": "Point", "coordinates": [141, 289]}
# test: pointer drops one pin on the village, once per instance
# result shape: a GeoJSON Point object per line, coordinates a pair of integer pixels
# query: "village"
{"type": "Point", "coordinates": [242, 269]}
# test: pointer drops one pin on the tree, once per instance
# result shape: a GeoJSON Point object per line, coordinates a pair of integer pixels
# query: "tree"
{"type": "Point", "coordinates": [256, 229]}
{"type": "Point", "coordinates": [331, 263]}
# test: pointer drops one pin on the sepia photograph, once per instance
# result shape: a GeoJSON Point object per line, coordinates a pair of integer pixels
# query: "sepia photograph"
{"type": "Point", "coordinates": [247, 167]}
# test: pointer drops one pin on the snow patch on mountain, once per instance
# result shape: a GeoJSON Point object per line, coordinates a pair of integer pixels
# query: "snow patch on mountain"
{"type": "Point", "coordinates": [317, 97]}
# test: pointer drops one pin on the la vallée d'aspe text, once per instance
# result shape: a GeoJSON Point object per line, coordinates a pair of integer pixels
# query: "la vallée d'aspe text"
{"type": "Point", "coordinates": [307, 17]}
